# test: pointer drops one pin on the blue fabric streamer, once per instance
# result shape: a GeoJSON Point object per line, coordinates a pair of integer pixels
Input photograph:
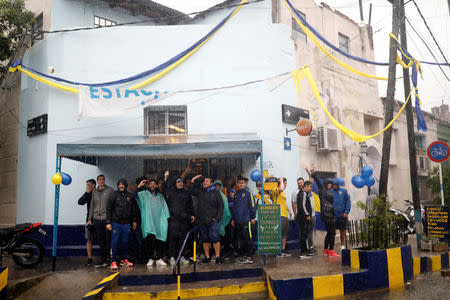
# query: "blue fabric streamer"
{"type": "Point", "coordinates": [360, 59]}
{"type": "Point", "coordinates": [140, 75]}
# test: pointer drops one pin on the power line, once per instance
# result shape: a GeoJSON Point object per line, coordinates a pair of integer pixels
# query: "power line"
{"type": "Point", "coordinates": [426, 45]}
{"type": "Point", "coordinates": [429, 30]}
{"type": "Point", "coordinates": [152, 19]}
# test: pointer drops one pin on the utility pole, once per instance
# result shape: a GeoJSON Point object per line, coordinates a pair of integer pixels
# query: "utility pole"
{"type": "Point", "coordinates": [411, 135]}
{"type": "Point", "coordinates": [389, 104]}
{"type": "Point", "coordinates": [361, 15]}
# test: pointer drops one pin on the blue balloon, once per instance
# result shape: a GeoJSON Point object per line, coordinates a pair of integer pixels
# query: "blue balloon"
{"type": "Point", "coordinates": [66, 179]}
{"type": "Point", "coordinates": [341, 181]}
{"type": "Point", "coordinates": [256, 175]}
{"type": "Point", "coordinates": [370, 181]}
{"type": "Point", "coordinates": [366, 172]}
{"type": "Point", "coordinates": [358, 181]}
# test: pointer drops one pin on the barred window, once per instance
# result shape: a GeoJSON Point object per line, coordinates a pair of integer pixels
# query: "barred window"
{"type": "Point", "coordinates": [165, 120]}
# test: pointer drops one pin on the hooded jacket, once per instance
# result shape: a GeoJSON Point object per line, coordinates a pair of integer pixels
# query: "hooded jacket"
{"type": "Point", "coordinates": [179, 202]}
{"type": "Point", "coordinates": [244, 207]}
{"type": "Point", "coordinates": [99, 201]}
{"type": "Point", "coordinates": [326, 198]}
{"type": "Point", "coordinates": [210, 203]}
{"type": "Point", "coordinates": [121, 207]}
{"type": "Point", "coordinates": [342, 204]}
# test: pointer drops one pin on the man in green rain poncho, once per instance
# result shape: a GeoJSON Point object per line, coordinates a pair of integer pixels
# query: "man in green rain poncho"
{"type": "Point", "coordinates": [226, 210]}
{"type": "Point", "coordinates": [154, 215]}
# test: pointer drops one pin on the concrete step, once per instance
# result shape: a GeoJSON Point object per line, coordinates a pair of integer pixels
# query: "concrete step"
{"type": "Point", "coordinates": [254, 287]}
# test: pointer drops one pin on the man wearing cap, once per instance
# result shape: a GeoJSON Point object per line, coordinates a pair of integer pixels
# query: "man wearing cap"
{"type": "Point", "coordinates": [342, 206]}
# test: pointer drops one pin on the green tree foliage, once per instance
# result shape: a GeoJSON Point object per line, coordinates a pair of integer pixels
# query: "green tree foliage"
{"type": "Point", "coordinates": [15, 22]}
{"type": "Point", "coordinates": [434, 184]}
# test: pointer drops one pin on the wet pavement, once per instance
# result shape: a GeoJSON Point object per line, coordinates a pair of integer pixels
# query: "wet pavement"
{"type": "Point", "coordinates": [73, 279]}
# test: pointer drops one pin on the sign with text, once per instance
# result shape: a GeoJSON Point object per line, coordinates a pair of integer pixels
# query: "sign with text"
{"type": "Point", "coordinates": [436, 218]}
{"type": "Point", "coordinates": [269, 229]}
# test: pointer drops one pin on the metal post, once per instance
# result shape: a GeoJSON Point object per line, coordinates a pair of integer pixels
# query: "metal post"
{"type": "Point", "coordinates": [195, 253]}
{"type": "Point", "coordinates": [441, 184]}
{"type": "Point", "coordinates": [55, 220]}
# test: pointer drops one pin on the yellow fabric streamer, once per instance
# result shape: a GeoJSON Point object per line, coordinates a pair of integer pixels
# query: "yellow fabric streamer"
{"type": "Point", "coordinates": [39, 78]}
{"type": "Point", "coordinates": [298, 75]}
{"type": "Point", "coordinates": [162, 73]}
{"type": "Point", "coordinates": [317, 43]}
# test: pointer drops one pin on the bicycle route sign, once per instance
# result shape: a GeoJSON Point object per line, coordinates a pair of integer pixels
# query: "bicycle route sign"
{"type": "Point", "coordinates": [438, 151]}
{"type": "Point", "coordinates": [269, 229]}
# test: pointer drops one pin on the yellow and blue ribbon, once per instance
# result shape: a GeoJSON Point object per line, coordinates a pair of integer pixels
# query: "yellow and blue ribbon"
{"type": "Point", "coordinates": [166, 66]}
{"type": "Point", "coordinates": [298, 75]}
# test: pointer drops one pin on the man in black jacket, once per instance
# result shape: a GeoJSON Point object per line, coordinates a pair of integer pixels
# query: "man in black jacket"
{"type": "Point", "coordinates": [179, 202]}
{"type": "Point", "coordinates": [210, 212]}
{"type": "Point", "coordinates": [88, 229]}
{"type": "Point", "coordinates": [327, 213]}
{"type": "Point", "coordinates": [304, 216]}
{"type": "Point", "coordinates": [121, 211]}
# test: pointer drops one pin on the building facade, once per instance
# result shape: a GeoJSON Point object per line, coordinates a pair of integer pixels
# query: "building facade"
{"type": "Point", "coordinates": [217, 127]}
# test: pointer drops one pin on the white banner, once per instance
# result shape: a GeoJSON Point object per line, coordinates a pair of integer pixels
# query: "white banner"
{"type": "Point", "coordinates": [106, 102]}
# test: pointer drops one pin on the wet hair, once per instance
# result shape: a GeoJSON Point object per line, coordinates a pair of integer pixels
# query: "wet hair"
{"type": "Point", "coordinates": [138, 180]}
{"type": "Point", "coordinates": [208, 176]}
{"type": "Point", "coordinates": [307, 183]}
{"type": "Point", "coordinates": [92, 181]}
{"type": "Point", "coordinates": [101, 175]}
{"type": "Point", "coordinates": [152, 180]}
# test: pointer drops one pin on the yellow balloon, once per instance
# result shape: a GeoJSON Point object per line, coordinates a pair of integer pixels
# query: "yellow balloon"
{"type": "Point", "coordinates": [57, 178]}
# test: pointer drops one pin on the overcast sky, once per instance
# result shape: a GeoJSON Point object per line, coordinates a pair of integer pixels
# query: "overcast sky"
{"type": "Point", "coordinates": [435, 88]}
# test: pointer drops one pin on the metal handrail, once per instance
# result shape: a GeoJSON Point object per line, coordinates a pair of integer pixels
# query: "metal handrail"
{"type": "Point", "coordinates": [177, 262]}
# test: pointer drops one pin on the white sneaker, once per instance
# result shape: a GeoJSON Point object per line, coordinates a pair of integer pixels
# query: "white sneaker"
{"type": "Point", "coordinates": [150, 263]}
{"type": "Point", "coordinates": [161, 262]}
{"type": "Point", "coordinates": [184, 261]}
{"type": "Point", "coordinates": [342, 247]}
{"type": "Point", "coordinates": [172, 261]}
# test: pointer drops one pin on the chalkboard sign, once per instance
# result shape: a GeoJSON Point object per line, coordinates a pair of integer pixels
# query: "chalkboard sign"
{"type": "Point", "coordinates": [437, 222]}
{"type": "Point", "coordinates": [269, 229]}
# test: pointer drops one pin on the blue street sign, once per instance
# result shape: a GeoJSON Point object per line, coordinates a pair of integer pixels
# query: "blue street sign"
{"type": "Point", "coordinates": [287, 143]}
{"type": "Point", "coordinates": [438, 151]}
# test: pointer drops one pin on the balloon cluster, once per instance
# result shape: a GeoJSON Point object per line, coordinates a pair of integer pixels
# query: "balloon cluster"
{"type": "Point", "coordinates": [62, 177]}
{"type": "Point", "coordinates": [365, 178]}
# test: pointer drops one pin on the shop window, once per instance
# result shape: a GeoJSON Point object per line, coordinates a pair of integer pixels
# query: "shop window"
{"type": "Point", "coordinates": [343, 42]}
{"type": "Point", "coordinates": [102, 22]}
{"type": "Point", "coordinates": [165, 120]}
{"type": "Point", "coordinates": [297, 31]}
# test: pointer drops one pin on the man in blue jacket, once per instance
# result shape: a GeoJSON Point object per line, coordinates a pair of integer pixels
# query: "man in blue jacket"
{"type": "Point", "coordinates": [342, 206]}
{"type": "Point", "coordinates": [243, 213]}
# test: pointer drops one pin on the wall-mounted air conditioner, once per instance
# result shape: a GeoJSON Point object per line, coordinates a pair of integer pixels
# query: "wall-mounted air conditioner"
{"type": "Point", "coordinates": [328, 139]}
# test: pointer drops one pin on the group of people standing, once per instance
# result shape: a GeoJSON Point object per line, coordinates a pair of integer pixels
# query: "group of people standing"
{"type": "Point", "coordinates": [151, 218]}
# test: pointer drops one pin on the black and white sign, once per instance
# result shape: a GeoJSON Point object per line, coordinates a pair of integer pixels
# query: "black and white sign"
{"type": "Point", "coordinates": [292, 114]}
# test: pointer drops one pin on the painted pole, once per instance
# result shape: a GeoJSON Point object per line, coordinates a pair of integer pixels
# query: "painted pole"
{"type": "Point", "coordinates": [261, 165]}
{"type": "Point", "coordinates": [441, 184]}
{"type": "Point", "coordinates": [55, 220]}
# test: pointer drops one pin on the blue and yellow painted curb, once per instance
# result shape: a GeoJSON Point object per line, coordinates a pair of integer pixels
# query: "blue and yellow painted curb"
{"type": "Point", "coordinates": [3, 282]}
{"type": "Point", "coordinates": [253, 287]}
{"type": "Point", "coordinates": [100, 286]}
